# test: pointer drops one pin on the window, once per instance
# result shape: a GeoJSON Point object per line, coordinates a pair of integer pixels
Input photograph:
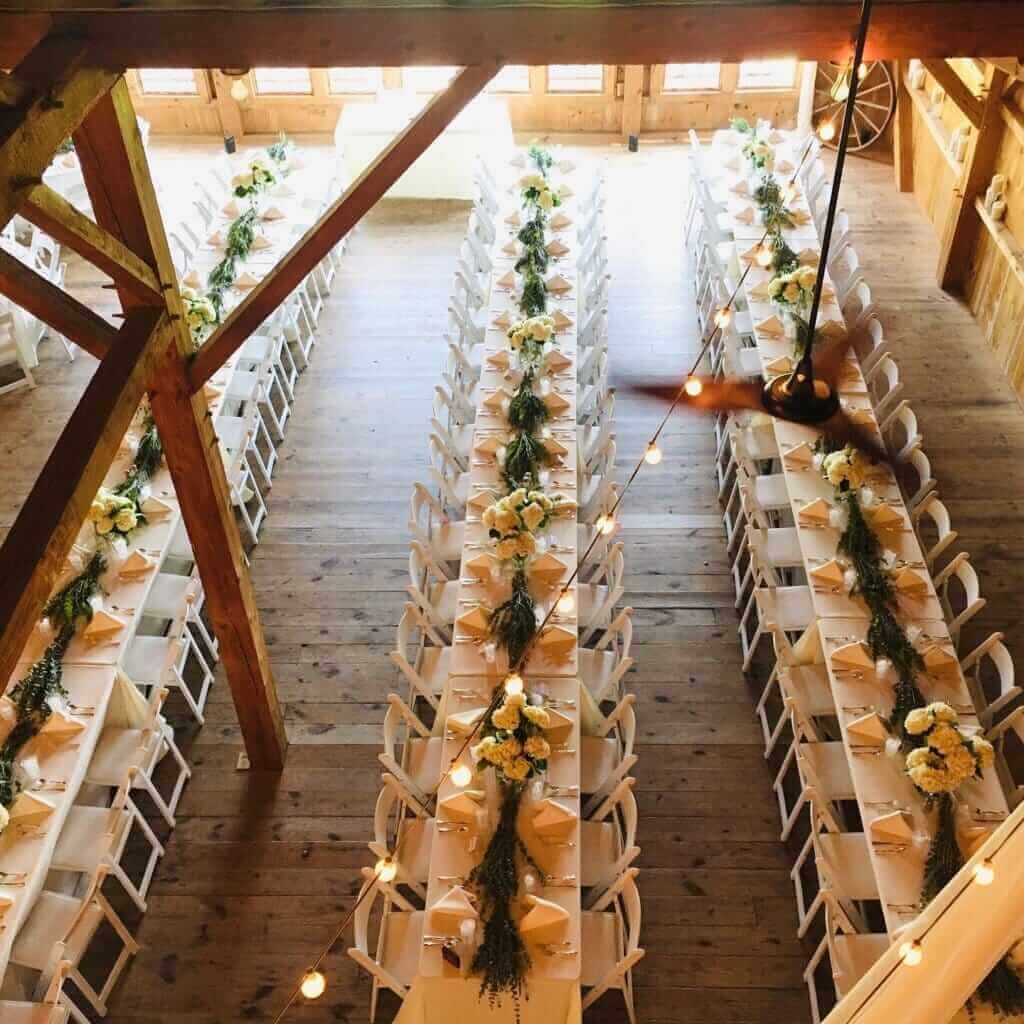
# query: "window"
{"type": "Point", "coordinates": [767, 74]}
{"type": "Point", "coordinates": [168, 81]}
{"type": "Point", "coordinates": [511, 78]}
{"type": "Point", "coordinates": [576, 78]}
{"type": "Point", "coordinates": [283, 81]}
{"type": "Point", "coordinates": [691, 77]}
{"type": "Point", "coordinates": [353, 79]}
{"type": "Point", "coordinates": [428, 79]}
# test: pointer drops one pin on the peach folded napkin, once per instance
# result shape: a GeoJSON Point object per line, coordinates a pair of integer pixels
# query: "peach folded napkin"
{"type": "Point", "coordinates": [557, 248]}
{"type": "Point", "coordinates": [476, 622]}
{"type": "Point", "coordinates": [272, 213]}
{"type": "Point", "coordinates": [544, 920]}
{"type": "Point", "coordinates": [890, 828]}
{"type": "Point", "coordinates": [869, 729]}
{"type": "Point", "coordinates": [553, 820]}
{"type": "Point", "coordinates": [547, 567]}
{"type": "Point", "coordinates": [463, 806]}
{"type": "Point", "coordinates": [557, 284]}
{"type": "Point", "coordinates": [855, 655]}
{"type": "Point", "coordinates": [561, 320]}
{"type": "Point", "coordinates": [135, 565]}
{"type": "Point", "coordinates": [560, 221]}
{"type": "Point", "coordinates": [816, 511]}
{"type": "Point", "coordinates": [555, 361]}
{"type": "Point", "coordinates": [831, 573]}
{"type": "Point", "coordinates": [772, 327]}
{"type": "Point", "coordinates": [452, 909]}
{"type": "Point", "coordinates": [556, 403]}
{"type": "Point", "coordinates": [102, 628]}
{"type": "Point", "coordinates": [154, 509]}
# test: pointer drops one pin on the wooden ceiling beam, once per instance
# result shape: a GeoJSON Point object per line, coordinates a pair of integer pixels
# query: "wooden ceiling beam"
{"type": "Point", "coordinates": [210, 35]}
{"type": "Point", "coordinates": [55, 307]}
{"type": "Point", "coordinates": [34, 550]}
{"type": "Point", "coordinates": [64, 87]}
{"type": "Point", "coordinates": [119, 184]}
{"type": "Point", "coordinates": [53, 214]}
{"type": "Point", "coordinates": [956, 89]}
{"type": "Point", "coordinates": [339, 219]}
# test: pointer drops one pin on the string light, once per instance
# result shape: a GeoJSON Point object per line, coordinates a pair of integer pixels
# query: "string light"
{"type": "Point", "coordinates": [862, 71]}
{"type": "Point", "coordinates": [984, 872]}
{"type": "Point", "coordinates": [461, 775]}
{"type": "Point", "coordinates": [605, 523]}
{"type": "Point", "coordinates": [911, 953]}
{"type": "Point", "coordinates": [313, 984]}
{"type": "Point", "coordinates": [239, 93]}
{"type": "Point", "coordinates": [826, 131]}
{"type": "Point", "coordinates": [513, 683]}
{"type": "Point", "coordinates": [653, 454]}
{"type": "Point", "coordinates": [840, 90]}
{"type": "Point", "coordinates": [566, 603]}
{"type": "Point", "coordinates": [385, 869]}
{"type": "Point", "coordinates": [765, 256]}
{"type": "Point", "coordinates": [723, 318]}
{"type": "Point", "coordinates": [789, 193]}
{"type": "Point", "coordinates": [693, 386]}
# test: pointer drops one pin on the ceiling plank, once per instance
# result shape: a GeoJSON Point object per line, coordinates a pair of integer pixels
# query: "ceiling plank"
{"type": "Point", "coordinates": [58, 218]}
{"type": "Point", "coordinates": [55, 307]}
{"type": "Point", "coordinates": [339, 219]}
{"type": "Point", "coordinates": [1013, 116]}
{"type": "Point", "coordinates": [956, 89]}
{"type": "Point", "coordinates": [393, 35]}
{"type": "Point", "coordinates": [34, 551]}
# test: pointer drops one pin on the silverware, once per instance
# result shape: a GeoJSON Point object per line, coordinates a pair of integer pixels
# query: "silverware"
{"type": "Point", "coordinates": [450, 826]}
{"type": "Point", "coordinates": [560, 881]}
{"type": "Point", "coordinates": [553, 790]}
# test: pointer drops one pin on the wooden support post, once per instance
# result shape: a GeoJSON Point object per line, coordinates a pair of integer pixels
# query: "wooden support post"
{"type": "Point", "coordinates": [65, 88]}
{"type": "Point", "coordinates": [117, 177]}
{"type": "Point", "coordinates": [632, 100]}
{"type": "Point", "coordinates": [58, 218]}
{"type": "Point", "coordinates": [963, 224]}
{"type": "Point", "coordinates": [339, 219]}
{"type": "Point", "coordinates": [41, 537]}
{"type": "Point", "coordinates": [956, 89]}
{"type": "Point", "coordinates": [903, 132]}
{"type": "Point", "coordinates": [55, 307]}
{"type": "Point", "coordinates": [1013, 116]}
{"type": "Point", "coordinates": [228, 110]}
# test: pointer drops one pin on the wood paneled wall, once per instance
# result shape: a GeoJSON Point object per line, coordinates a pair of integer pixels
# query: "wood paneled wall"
{"type": "Point", "coordinates": [605, 112]}
{"type": "Point", "coordinates": [994, 281]}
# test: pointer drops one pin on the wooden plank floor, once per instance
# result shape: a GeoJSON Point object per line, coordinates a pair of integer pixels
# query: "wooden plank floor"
{"type": "Point", "coordinates": [261, 869]}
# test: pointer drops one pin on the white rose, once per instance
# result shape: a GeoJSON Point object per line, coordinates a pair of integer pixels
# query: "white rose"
{"type": "Point", "coordinates": [546, 200]}
{"type": "Point", "coordinates": [918, 721]}
{"type": "Point", "coordinates": [791, 293]}
{"type": "Point", "coordinates": [775, 287]}
{"type": "Point", "coordinates": [488, 517]}
{"type": "Point", "coordinates": [126, 520]}
{"type": "Point", "coordinates": [533, 515]}
{"type": "Point", "coordinates": [104, 525]}
{"type": "Point", "coordinates": [506, 549]}
{"type": "Point", "coordinates": [5, 817]}
{"type": "Point", "coordinates": [526, 545]}
{"type": "Point", "coordinates": [807, 277]}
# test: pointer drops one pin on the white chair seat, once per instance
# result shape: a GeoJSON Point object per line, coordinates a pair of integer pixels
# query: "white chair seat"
{"type": "Point", "coordinates": [794, 608]}
{"type": "Point", "coordinates": [403, 943]}
{"type": "Point", "coordinates": [446, 540]}
{"type": "Point", "coordinates": [48, 923]}
{"type": "Point", "coordinates": [417, 838]}
{"type": "Point", "coordinates": [809, 685]}
{"type": "Point", "coordinates": [598, 851]}
{"type": "Point", "coordinates": [601, 941]}
{"type": "Point", "coordinates": [146, 656]}
{"type": "Point", "coordinates": [853, 957]}
{"type": "Point", "coordinates": [831, 768]}
{"type": "Point", "coordinates": [770, 491]}
{"type": "Point", "coordinates": [596, 668]}
{"type": "Point", "coordinates": [87, 837]}
{"type": "Point", "coordinates": [423, 764]}
{"type": "Point", "coordinates": [118, 750]}
{"type": "Point", "coordinates": [598, 757]}
{"type": "Point", "coordinates": [168, 596]}
{"type": "Point", "coordinates": [444, 599]}
{"type": "Point", "coordinates": [433, 667]}
{"type": "Point", "coordinates": [590, 597]}
{"type": "Point", "coordinates": [12, 1012]}
{"type": "Point", "coordinates": [850, 861]}
{"type": "Point", "coordinates": [748, 362]}
{"type": "Point", "coordinates": [782, 546]}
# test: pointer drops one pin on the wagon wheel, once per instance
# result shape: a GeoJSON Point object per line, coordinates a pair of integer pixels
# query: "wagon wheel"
{"type": "Point", "coordinates": [876, 101]}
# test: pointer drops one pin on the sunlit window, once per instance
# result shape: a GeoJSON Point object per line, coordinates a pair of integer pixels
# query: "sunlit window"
{"type": "Point", "coordinates": [428, 79]}
{"type": "Point", "coordinates": [692, 77]}
{"type": "Point", "coordinates": [353, 79]}
{"type": "Point", "coordinates": [767, 74]}
{"type": "Point", "coordinates": [168, 81]}
{"type": "Point", "coordinates": [511, 78]}
{"type": "Point", "coordinates": [576, 78]}
{"type": "Point", "coordinates": [283, 81]}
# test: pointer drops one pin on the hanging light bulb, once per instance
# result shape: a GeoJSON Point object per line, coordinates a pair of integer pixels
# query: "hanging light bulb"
{"type": "Point", "coordinates": [566, 602]}
{"type": "Point", "coordinates": [513, 683]}
{"type": "Point", "coordinates": [693, 386]}
{"type": "Point", "coordinates": [239, 93]}
{"type": "Point", "coordinates": [984, 872]}
{"type": "Point", "coordinates": [385, 869]}
{"type": "Point", "coordinates": [605, 523]}
{"type": "Point", "coordinates": [862, 71]}
{"type": "Point", "coordinates": [826, 131]}
{"type": "Point", "coordinates": [841, 86]}
{"type": "Point", "coordinates": [653, 454]}
{"type": "Point", "coordinates": [765, 256]}
{"type": "Point", "coordinates": [789, 193]}
{"type": "Point", "coordinates": [313, 984]}
{"type": "Point", "coordinates": [461, 775]}
{"type": "Point", "coordinates": [723, 317]}
{"type": "Point", "coordinates": [911, 953]}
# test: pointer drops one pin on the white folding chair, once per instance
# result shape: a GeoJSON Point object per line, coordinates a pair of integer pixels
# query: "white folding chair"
{"type": "Point", "coordinates": [883, 381]}
{"type": "Point", "coordinates": [602, 667]}
{"type": "Point", "coordinates": [932, 512]}
{"type": "Point", "coordinates": [974, 667]}
{"type": "Point", "coordinates": [426, 668]}
{"type": "Point", "coordinates": [901, 432]}
{"type": "Point", "coordinates": [874, 345]}
{"type": "Point", "coordinates": [608, 841]}
{"type": "Point", "coordinates": [596, 599]}
{"type": "Point", "coordinates": [418, 767]}
{"type": "Point", "coordinates": [822, 773]}
{"type": "Point", "coordinates": [606, 757]}
{"type": "Point", "coordinates": [401, 820]}
{"type": "Point", "coordinates": [611, 942]}
{"type": "Point", "coordinates": [960, 569]}
{"type": "Point", "coordinates": [11, 355]}
{"type": "Point", "coordinates": [438, 535]}
{"type": "Point", "coordinates": [432, 591]}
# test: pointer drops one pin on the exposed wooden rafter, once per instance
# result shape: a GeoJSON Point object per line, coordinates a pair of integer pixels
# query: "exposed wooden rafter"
{"type": "Point", "coordinates": [903, 132]}
{"type": "Point", "coordinates": [211, 34]}
{"type": "Point", "coordinates": [956, 89]}
{"type": "Point", "coordinates": [339, 219]}
{"type": "Point", "coordinates": [1013, 117]}
{"type": "Point", "coordinates": [979, 165]}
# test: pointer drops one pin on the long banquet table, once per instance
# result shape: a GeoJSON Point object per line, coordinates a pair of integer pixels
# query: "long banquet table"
{"type": "Point", "coordinates": [442, 992]}
{"type": "Point", "coordinates": [880, 781]}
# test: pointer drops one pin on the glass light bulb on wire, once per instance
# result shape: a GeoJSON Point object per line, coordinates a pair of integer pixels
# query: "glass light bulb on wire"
{"type": "Point", "coordinates": [652, 456]}
{"type": "Point", "coordinates": [693, 386]}
{"type": "Point", "coordinates": [313, 984]}
{"type": "Point", "coordinates": [385, 869]}
{"type": "Point", "coordinates": [239, 93]}
{"type": "Point", "coordinates": [984, 872]}
{"type": "Point", "coordinates": [826, 131]}
{"type": "Point", "coordinates": [566, 602]}
{"type": "Point", "coordinates": [723, 317]}
{"type": "Point", "coordinates": [765, 256]}
{"type": "Point", "coordinates": [461, 775]}
{"type": "Point", "coordinates": [789, 193]}
{"type": "Point", "coordinates": [862, 71]}
{"type": "Point", "coordinates": [911, 953]}
{"type": "Point", "coordinates": [840, 90]}
{"type": "Point", "coordinates": [605, 523]}
{"type": "Point", "coordinates": [513, 683]}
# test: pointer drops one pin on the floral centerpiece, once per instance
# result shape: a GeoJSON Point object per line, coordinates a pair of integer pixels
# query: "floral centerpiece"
{"type": "Point", "coordinates": [258, 178]}
{"type": "Point", "coordinates": [280, 152]}
{"type": "Point", "coordinates": [846, 469]}
{"type": "Point", "coordinates": [513, 742]}
{"type": "Point", "coordinates": [540, 158]}
{"type": "Point", "coordinates": [113, 513]}
{"type": "Point", "coordinates": [200, 313]}
{"type": "Point", "coordinates": [529, 336]}
{"type": "Point", "coordinates": [513, 520]}
{"type": "Point", "coordinates": [538, 193]}
{"type": "Point", "coordinates": [759, 153]}
{"type": "Point", "coordinates": [794, 289]}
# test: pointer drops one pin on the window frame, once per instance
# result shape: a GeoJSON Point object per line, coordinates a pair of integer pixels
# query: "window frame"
{"type": "Point", "coordinates": [511, 92]}
{"type": "Point", "coordinates": [198, 82]}
{"type": "Point", "coordinates": [669, 90]}
{"type": "Point", "coordinates": [793, 83]}
{"type": "Point", "coordinates": [257, 93]}
{"type": "Point", "coordinates": [548, 91]}
{"type": "Point", "coordinates": [355, 92]}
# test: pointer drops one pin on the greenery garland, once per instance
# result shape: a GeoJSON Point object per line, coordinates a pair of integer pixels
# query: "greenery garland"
{"type": "Point", "coordinates": [278, 151]}
{"type": "Point", "coordinates": [534, 298]}
{"type": "Point", "coordinates": [240, 237]}
{"type": "Point", "coordinates": [73, 602]}
{"type": "Point", "coordinates": [541, 158]}
{"type": "Point", "coordinates": [527, 412]}
{"type": "Point", "coordinates": [524, 456]}
{"type": "Point", "coordinates": [501, 958]}
{"type": "Point", "coordinates": [513, 624]}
